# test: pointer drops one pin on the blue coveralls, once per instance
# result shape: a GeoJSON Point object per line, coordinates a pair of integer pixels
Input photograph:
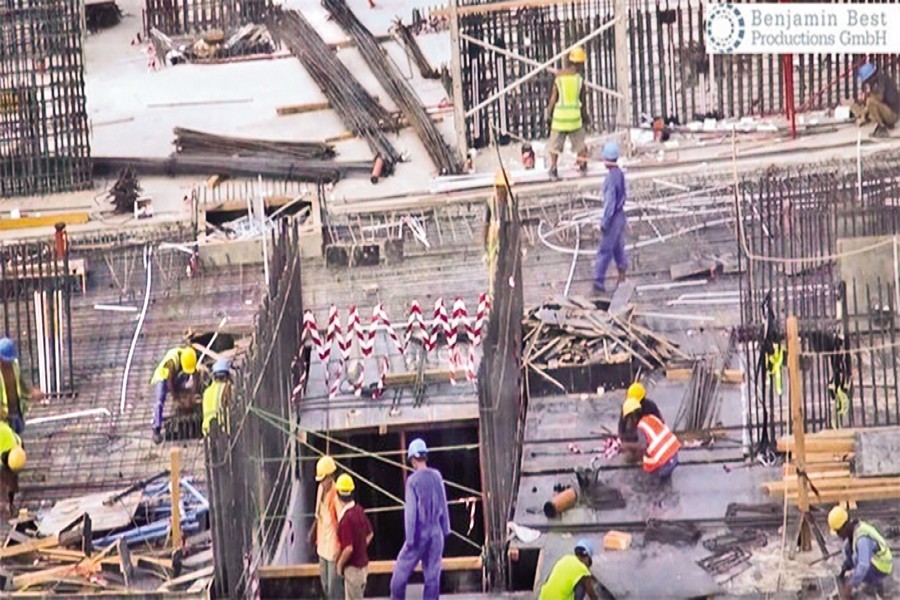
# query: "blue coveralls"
{"type": "Point", "coordinates": [612, 246]}
{"type": "Point", "coordinates": [861, 569]}
{"type": "Point", "coordinates": [427, 523]}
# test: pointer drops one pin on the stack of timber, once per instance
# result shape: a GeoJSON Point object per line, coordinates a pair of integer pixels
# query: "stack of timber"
{"type": "Point", "coordinates": [830, 457]}
{"type": "Point", "coordinates": [193, 142]}
{"type": "Point", "coordinates": [114, 543]}
{"type": "Point", "coordinates": [575, 332]}
{"type": "Point", "coordinates": [359, 111]}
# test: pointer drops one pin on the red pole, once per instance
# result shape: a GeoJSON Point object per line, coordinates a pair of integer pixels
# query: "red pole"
{"type": "Point", "coordinates": [787, 68]}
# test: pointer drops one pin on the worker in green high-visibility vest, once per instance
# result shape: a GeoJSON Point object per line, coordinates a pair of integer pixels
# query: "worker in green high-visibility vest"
{"type": "Point", "coordinates": [567, 112]}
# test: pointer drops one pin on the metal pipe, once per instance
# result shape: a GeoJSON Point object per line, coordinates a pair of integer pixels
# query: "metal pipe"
{"type": "Point", "coordinates": [73, 415]}
{"type": "Point", "coordinates": [148, 265]}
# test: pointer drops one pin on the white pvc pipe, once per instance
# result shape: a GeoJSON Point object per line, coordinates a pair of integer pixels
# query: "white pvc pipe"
{"type": "Point", "coordinates": [148, 264]}
{"type": "Point", "coordinates": [73, 415]}
{"type": "Point", "coordinates": [265, 234]}
{"type": "Point", "coordinates": [39, 327]}
{"type": "Point", "coordinates": [58, 342]}
{"type": "Point", "coordinates": [115, 308]}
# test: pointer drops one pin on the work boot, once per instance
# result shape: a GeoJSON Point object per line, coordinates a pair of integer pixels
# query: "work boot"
{"type": "Point", "coordinates": [880, 132]}
{"type": "Point", "coordinates": [582, 166]}
{"type": "Point", "coordinates": [621, 277]}
{"type": "Point", "coordinates": [157, 437]}
{"type": "Point", "coordinates": [554, 174]}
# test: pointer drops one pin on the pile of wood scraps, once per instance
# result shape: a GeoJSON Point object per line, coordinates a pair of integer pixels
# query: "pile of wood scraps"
{"type": "Point", "coordinates": [836, 470]}
{"type": "Point", "coordinates": [213, 45]}
{"type": "Point", "coordinates": [132, 539]}
{"type": "Point", "coordinates": [575, 332]}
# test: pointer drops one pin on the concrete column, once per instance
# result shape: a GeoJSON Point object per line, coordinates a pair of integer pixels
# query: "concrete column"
{"type": "Point", "coordinates": [459, 110]}
{"type": "Point", "coordinates": [623, 74]}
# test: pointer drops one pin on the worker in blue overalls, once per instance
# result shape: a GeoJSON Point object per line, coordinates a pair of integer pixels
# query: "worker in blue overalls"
{"type": "Point", "coordinates": [427, 523]}
{"type": "Point", "coordinates": [612, 245]}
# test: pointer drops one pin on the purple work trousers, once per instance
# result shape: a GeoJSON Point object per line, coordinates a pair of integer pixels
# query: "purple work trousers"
{"type": "Point", "coordinates": [429, 550]}
{"type": "Point", "coordinates": [160, 393]}
{"type": "Point", "coordinates": [612, 246]}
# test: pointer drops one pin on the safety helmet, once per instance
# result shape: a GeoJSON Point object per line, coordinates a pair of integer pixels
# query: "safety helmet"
{"type": "Point", "coordinates": [324, 467]}
{"type": "Point", "coordinates": [344, 484]}
{"type": "Point", "coordinates": [16, 459]}
{"type": "Point", "coordinates": [221, 366]}
{"type": "Point", "coordinates": [577, 55]}
{"type": "Point", "coordinates": [417, 449]}
{"type": "Point", "coordinates": [188, 361]}
{"type": "Point", "coordinates": [631, 405]}
{"type": "Point", "coordinates": [837, 517]}
{"type": "Point", "coordinates": [7, 350]}
{"type": "Point", "coordinates": [585, 545]}
{"type": "Point", "coordinates": [636, 390]}
{"type": "Point", "coordinates": [865, 71]}
{"type": "Point", "coordinates": [610, 151]}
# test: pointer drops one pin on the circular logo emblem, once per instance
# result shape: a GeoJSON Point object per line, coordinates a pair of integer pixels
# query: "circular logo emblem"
{"type": "Point", "coordinates": [724, 28]}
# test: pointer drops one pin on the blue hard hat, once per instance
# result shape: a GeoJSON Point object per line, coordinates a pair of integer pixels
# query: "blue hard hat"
{"type": "Point", "coordinates": [7, 350]}
{"type": "Point", "coordinates": [221, 366]}
{"type": "Point", "coordinates": [417, 448]}
{"type": "Point", "coordinates": [585, 545]}
{"type": "Point", "coordinates": [865, 71]}
{"type": "Point", "coordinates": [611, 151]}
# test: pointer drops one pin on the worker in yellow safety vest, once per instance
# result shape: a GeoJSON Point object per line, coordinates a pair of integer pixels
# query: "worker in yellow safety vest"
{"type": "Point", "coordinates": [867, 555]}
{"type": "Point", "coordinates": [176, 372]}
{"type": "Point", "coordinates": [217, 396]}
{"type": "Point", "coordinates": [567, 112]}
{"type": "Point", "coordinates": [14, 392]}
{"type": "Point", "coordinates": [12, 460]}
{"type": "Point", "coordinates": [571, 577]}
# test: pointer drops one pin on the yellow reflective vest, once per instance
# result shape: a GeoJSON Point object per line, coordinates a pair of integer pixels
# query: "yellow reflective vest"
{"type": "Point", "coordinates": [162, 370]}
{"type": "Point", "coordinates": [4, 398]}
{"type": "Point", "coordinates": [882, 560]}
{"type": "Point", "coordinates": [213, 405]}
{"type": "Point", "coordinates": [567, 112]}
{"type": "Point", "coordinates": [8, 438]}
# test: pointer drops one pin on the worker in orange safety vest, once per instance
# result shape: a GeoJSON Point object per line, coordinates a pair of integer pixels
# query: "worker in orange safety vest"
{"type": "Point", "coordinates": [656, 441]}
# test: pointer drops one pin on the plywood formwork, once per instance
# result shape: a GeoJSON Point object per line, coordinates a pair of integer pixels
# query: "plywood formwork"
{"type": "Point", "coordinates": [44, 138]}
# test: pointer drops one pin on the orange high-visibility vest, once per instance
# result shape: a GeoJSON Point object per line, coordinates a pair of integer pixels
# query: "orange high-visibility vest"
{"type": "Point", "coordinates": [662, 444]}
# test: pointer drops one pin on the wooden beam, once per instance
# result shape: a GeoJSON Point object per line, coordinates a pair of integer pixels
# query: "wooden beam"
{"type": "Point", "coordinates": [187, 578]}
{"type": "Point", "coordinates": [376, 567]}
{"type": "Point", "coordinates": [729, 376]}
{"type": "Point", "coordinates": [46, 220]}
{"type": "Point", "coordinates": [175, 481]}
{"type": "Point", "coordinates": [298, 109]}
{"type": "Point", "coordinates": [429, 376]}
{"type": "Point", "coordinates": [34, 546]}
{"type": "Point", "coordinates": [798, 426]}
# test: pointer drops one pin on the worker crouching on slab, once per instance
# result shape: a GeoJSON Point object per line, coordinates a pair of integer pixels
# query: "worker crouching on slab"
{"type": "Point", "coordinates": [426, 522]}
{"type": "Point", "coordinates": [217, 396]}
{"type": "Point", "coordinates": [655, 440]}
{"type": "Point", "coordinates": [882, 103]}
{"type": "Point", "coordinates": [12, 458]}
{"type": "Point", "coordinates": [647, 407]}
{"type": "Point", "coordinates": [355, 535]}
{"type": "Point", "coordinates": [177, 372]}
{"type": "Point", "coordinates": [567, 112]}
{"type": "Point", "coordinates": [612, 225]}
{"type": "Point", "coordinates": [14, 392]}
{"type": "Point", "coordinates": [324, 530]}
{"type": "Point", "coordinates": [867, 555]}
{"type": "Point", "coordinates": [571, 577]}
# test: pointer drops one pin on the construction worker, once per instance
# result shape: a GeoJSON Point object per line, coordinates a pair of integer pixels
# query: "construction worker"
{"type": "Point", "coordinates": [613, 223]}
{"type": "Point", "coordinates": [427, 523]}
{"type": "Point", "coordinates": [867, 555]}
{"type": "Point", "coordinates": [14, 392]}
{"type": "Point", "coordinates": [658, 444]}
{"type": "Point", "coordinates": [217, 396]}
{"type": "Point", "coordinates": [12, 460]}
{"type": "Point", "coordinates": [355, 535]}
{"type": "Point", "coordinates": [571, 577]}
{"type": "Point", "coordinates": [175, 373]}
{"type": "Point", "coordinates": [882, 101]}
{"type": "Point", "coordinates": [324, 529]}
{"type": "Point", "coordinates": [567, 111]}
{"type": "Point", "coordinates": [648, 407]}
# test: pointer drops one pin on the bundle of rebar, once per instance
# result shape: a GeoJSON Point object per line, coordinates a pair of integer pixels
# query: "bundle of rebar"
{"type": "Point", "coordinates": [357, 108]}
{"type": "Point", "coordinates": [405, 38]}
{"type": "Point", "coordinates": [280, 168]}
{"type": "Point", "coordinates": [698, 410]}
{"type": "Point", "coordinates": [124, 193]}
{"type": "Point", "coordinates": [193, 142]}
{"type": "Point", "coordinates": [445, 159]}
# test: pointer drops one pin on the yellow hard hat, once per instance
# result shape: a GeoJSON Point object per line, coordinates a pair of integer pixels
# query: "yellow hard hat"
{"type": "Point", "coordinates": [837, 517]}
{"type": "Point", "coordinates": [344, 484]}
{"type": "Point", "coordinates": [324, 467]}
{"type": "Point", "coordinates": [188, 361]}
{"type": "Point", "coordinates": [577, 55]}
{"type": "Point", "coordinates": [16, 459]}
{"type": "Point", "coordinates": [631, 405]}
{"type": "Point", "coordinates": [500, 180]}
{"type": "Point", "coordinates": [636, 390]}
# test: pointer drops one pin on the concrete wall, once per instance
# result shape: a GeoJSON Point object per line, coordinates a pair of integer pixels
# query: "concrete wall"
{"type": "Point", "coordinates": [868, 267]}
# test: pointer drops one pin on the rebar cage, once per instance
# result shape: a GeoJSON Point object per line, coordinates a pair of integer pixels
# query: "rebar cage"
{"type": "Point", "coordinates": [44, 137]}
{"type": "Point", "coordinates": [175, 17]}
{"type": "Point", "coordinates": [822, 246]}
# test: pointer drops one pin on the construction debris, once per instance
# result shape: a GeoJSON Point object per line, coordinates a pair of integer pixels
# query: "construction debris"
{"type": "Point", "coordinates": [193, 142]}
{"type": "Point", "coordinates": [101, 14]}
{"type": "Point", "coordinates": [213, 45]}
{"type": "Point", "coordinates": [358, 110]}
{"type": "Point", "coordinates": [125, 191]}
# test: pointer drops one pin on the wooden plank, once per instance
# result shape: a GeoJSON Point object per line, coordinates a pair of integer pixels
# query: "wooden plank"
{"type": "Point", "coordinates": [34, 546]}
{"type": "Point", "coordinates": [377, 567]}
{"type": "Point", "coordinates": [429, 376]}
{"type": "Point", "coordinates": [820, 445]}
{"type": "Point", "coordinates": [693, 268]}
{"type": "Point", "coordinates": [729, 376]}
{"type": "Point", "coordinates": [798, 425]}
{"type": "Point", "coordinates": [187, 578]}
{"type": "Point", "coordinates": [297, 109]}
{"type": "Point", "coordinates": [103, 518]}
{"type": "Point", "coordinates": [46, 220]}
{"type": "Point", "coordinates": [852, 495]}
{"type": "Point", "coordinates": [175, 483]}
{"type": "Point", "coordinates": [621, 297]}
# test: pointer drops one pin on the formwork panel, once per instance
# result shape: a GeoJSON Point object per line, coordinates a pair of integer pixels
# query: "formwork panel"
{"type": "Point", "coordinates": [44, 138]}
